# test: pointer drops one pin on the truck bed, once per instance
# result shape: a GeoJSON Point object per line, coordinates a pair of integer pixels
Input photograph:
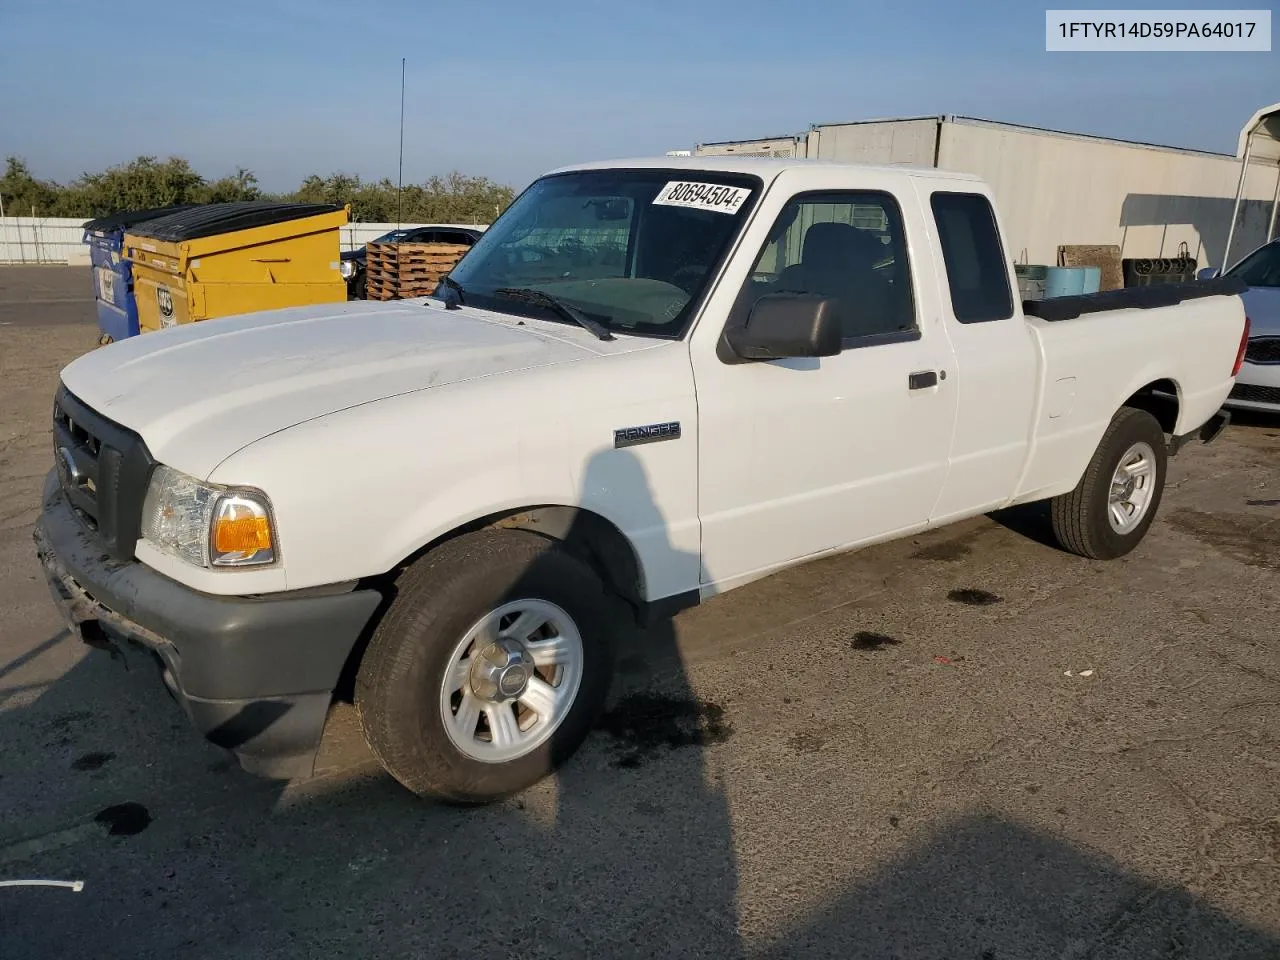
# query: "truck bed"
{"type": "Point", "coordinates": [1090, 367]}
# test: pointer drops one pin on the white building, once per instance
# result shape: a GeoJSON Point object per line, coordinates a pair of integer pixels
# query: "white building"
{"type": "Point", "coordinates": [1058, 188]}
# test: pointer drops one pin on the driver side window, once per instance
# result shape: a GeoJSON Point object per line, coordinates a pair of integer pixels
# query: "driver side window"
{"type": "Point", "coordinates": [847, 246]}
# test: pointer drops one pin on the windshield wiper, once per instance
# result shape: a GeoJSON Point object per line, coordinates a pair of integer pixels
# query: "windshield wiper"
{"type": "Point", "coordinates": [451, 303]}
{"type": "Point", "coordinates": [566, 310]}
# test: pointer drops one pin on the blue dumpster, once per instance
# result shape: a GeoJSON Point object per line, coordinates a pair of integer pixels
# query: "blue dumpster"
{"type": "Point", "coordinates": [112, 273]}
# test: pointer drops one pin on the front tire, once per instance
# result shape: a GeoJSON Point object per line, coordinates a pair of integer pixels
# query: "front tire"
{"type": "Point", "coordinates": [489, 668]}
{"type": "Point", "coordinates": [1115, 502]}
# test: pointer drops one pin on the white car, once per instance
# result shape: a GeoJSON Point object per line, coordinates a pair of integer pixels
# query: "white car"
{"type": "Point", "coordinates": [1258, 383]}
{"type": "Point", "coordinates": [648, 382]}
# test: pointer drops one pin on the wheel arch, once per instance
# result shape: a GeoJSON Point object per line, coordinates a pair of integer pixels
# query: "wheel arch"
{"type": "Point", "coordinates": [593, 537]}
{"type": "Point", "coordinates": [590, 536]}
{"type": "Point", "coordinates": [1162, 398]}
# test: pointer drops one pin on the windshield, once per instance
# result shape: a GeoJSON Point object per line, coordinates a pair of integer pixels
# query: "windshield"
{"type": "Point", "coordinates": [632, 249]}
{"type": "Point", "coordinates": [1260, 268]}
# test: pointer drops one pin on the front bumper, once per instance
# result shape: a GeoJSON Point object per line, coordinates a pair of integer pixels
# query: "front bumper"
{"type": "Point", "coordinates": [1256, 388]}
{"type": "Point", "coordinates": [254, 675]}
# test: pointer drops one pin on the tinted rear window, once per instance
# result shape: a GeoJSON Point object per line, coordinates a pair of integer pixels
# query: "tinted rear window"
{"type": "Point", "coordinates": [973, 256]}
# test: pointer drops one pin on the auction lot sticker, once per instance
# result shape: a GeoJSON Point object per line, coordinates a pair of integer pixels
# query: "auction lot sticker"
{"type": "Point", "coordinates": [702, 196]}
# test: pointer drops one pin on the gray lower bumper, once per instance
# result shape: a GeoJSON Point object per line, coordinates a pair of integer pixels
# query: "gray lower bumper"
{"type": "Point", "coordinates": [254, 675]}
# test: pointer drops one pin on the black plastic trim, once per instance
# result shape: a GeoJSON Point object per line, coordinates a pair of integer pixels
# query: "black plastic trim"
{"type": "Point", "coordinates": [880, 339]}
{"type": "Point", "coordinates": [120, 470]}
{"type": "Point", "coordinates": [655, 611]}
{"type": "Point", "coordinates": [1057, 309]}
{"type": "Point", "coordinates": [1253, 352]}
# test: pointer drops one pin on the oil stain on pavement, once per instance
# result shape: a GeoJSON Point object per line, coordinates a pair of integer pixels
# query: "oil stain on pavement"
{"type": "Point", "coordinates": [806, 742]}
{"type": "Point", "coordinates": [973, 597]}
{"type": "Point", "coordinates": [1236, 535]}
{"type": "Point", "coordinates": [92, 761]}
{"type": "Point", "coordinates": [868, 640]}
{"type": "Point", "coordinates": [949, 551]}
{"type": "Point", "coordinates": [124, 819]}
{"type": "Point", "coordinates": [642, 723]}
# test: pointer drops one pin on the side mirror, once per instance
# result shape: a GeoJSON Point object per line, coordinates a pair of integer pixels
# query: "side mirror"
{"type": "Point", "coordinates": [783, 325]}
{"type": "Point", "coordinates": [1208, 273]}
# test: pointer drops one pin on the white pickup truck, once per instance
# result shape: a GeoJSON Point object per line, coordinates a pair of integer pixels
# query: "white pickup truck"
{"type": "Point", "coordinates": [654, 381]}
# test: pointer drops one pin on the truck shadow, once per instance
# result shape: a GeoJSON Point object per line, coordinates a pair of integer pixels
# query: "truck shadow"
{"type": "Point", "coordinates": [1029, 520]}
{"type": "Point", "coordinates": [984, 887]}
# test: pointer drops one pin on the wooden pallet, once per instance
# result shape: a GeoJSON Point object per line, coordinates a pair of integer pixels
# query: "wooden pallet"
{"type": "Point", "coordinates": [1103, 255]}
{"type": "Point", "coordinates": [395, 271]}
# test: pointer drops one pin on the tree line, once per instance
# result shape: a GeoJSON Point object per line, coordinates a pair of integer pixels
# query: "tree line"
{"type": "Point", "coordinates": [150, 182]}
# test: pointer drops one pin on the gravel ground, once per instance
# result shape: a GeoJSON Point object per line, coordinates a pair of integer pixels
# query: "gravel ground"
{"type": "Point", "coordinates": [899, 753]}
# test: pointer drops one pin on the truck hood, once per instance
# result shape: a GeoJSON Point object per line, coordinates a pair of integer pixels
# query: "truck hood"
{"type": "Point", "coordinates": [199, 392]}
{"type": "Point", "coordinates": [1262, 306]}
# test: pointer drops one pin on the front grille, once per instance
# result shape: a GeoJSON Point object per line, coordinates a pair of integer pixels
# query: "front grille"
{"type": "Point", "coordinates": [1263, 350]}
{"type": "Point", "coordinates": [1255, 394]}
{"type": "Point", "coordinates": [104, 469]}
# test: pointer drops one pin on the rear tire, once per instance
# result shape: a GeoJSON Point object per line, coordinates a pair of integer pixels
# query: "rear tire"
{"type": "Point", "coordinates": [421, 647]}
{"type": "Point", "coordinates": [1115, 502]}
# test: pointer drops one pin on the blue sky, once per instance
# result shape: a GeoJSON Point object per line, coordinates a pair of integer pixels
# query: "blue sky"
{"type": "Point", "coordinates": [511, 89]}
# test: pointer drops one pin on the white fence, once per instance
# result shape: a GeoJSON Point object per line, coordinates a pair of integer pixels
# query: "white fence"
{"type": "Point", "coordinates": [42, 240]}
{"type": "Point", "coordinates": [60, 239]}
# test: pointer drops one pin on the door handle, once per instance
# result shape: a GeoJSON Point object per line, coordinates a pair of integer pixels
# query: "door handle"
{"type": "Point", "coordinates": [922, 380]}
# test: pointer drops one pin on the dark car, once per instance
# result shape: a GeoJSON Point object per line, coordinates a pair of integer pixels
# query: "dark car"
{"type": "Point", "coordinates": [353, 260]}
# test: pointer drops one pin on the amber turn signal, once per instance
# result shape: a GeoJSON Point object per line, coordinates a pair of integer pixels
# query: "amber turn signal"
{"type": "Point", "coordinates": [241, 534]}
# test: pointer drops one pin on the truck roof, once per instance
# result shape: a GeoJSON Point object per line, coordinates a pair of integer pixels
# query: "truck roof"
{"type": "Point", "coordinates": [765, 167]}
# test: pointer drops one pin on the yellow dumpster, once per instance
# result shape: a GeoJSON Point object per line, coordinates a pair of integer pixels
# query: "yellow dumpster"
{"type": "Point", "coordinates": [220, 259]}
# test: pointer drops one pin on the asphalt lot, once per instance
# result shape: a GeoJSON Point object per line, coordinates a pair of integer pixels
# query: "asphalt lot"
{"type": "Point", "coordinates": [891, 754]}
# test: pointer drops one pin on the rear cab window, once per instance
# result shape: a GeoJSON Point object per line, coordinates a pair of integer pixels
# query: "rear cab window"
{"type": "Point", "coordinates": [974, 257]}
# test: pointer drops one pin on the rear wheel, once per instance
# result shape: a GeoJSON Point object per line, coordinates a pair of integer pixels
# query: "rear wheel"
{"type": "Point", "coordinates": [1115, 502]}
{"type": "Point", "coordinates": [489, 667]}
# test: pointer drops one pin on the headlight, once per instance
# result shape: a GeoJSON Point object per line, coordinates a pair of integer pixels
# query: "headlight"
{"type": "Point", "coordinates": [207, 525]}
{"type": "Point", "coordinates": [348, 269]}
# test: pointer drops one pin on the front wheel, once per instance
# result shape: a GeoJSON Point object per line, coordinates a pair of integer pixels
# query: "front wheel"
{"type": "Point", "coordinates": [1115, 502]}
{"type": "Point", "coordinates": [489, 667]}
